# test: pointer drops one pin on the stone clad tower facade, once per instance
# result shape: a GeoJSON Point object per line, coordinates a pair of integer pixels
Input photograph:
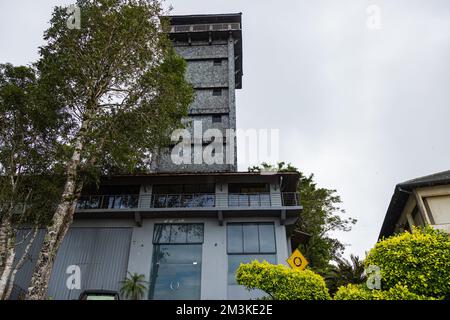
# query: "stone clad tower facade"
{"type": "Point", "coordinates": [212, 48]}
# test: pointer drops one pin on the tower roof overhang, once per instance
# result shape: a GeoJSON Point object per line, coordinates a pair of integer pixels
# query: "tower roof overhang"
{"type": "Point", "coordinates": [210, 27]}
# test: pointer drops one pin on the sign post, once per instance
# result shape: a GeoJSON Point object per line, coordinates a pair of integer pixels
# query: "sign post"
{"type": "Point", "coordinates": [297, 260]}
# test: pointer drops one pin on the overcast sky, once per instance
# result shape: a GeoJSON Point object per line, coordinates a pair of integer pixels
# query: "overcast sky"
{"type": "Point", "coordinates": [363, 109]}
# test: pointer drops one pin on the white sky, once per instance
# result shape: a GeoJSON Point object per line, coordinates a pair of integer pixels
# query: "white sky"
{"type": "Point", "coordinates": [361, 109]}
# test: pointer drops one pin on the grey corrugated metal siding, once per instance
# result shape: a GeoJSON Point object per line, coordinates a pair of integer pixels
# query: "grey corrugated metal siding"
{"type": "Point", "coordinates": [101, 253]}
{"type": "Point", "coordinates": [24, 274]}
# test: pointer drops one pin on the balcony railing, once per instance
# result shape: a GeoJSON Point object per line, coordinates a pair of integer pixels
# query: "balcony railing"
{"type": "Point", "coordinates": [249, 200]}
{"type": "Point", "coordinates": [193, 200]}
{"type": "Point", "coordinates": [122, 201]}
{"type": "Point", "coordinates": [290, 199]}
{"type": "Point", "coordinates": [196, 200]}
{"type": "Point", "coordinates": [204, 27]}
{"type": "Point", "coordinates": [147, 201]}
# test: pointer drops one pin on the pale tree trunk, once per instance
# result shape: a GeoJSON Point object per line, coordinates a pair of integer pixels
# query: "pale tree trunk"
{"type": "Point", "coordinates": [8, 265]}
{"type": "Point", "coordinates": [19, 264]}
{"type": "Point", "coordinates": [3, 240]}
{"type": "Point", "coordinates": [8, 241]}
{"type": "Point", "coordinates": [5, 234]}
{"type": "Point", "coordinates": [61, 222]}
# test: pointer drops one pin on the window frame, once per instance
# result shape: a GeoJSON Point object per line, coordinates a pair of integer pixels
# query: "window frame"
{"type": "Point", "coordinates": [259, 252]}
{"type": "Point", "coordinates": [155, 242]}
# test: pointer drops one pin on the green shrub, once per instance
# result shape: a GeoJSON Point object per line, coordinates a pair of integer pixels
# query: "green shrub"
{"type": "Point", "coordinates": [418, 261]}
{"type": "Point", "coordinates": [398, 292]}
{"type": "Point", "coordinates": [281, 282]}
{"type": "Point", "coordinates": [353, 292]}
{"type": "Point", "coordinates": [361, 292]}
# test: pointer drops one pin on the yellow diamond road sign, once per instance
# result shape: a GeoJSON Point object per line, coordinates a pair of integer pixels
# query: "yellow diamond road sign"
{"type": "Point", "coordinates": [297, 260]}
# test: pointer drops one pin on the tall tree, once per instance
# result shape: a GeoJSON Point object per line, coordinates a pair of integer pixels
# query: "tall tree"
{"type": "Point", "coordinates": [321, 215]}
{"type": "Point", "coordinates": [121, 88]}
{"type": "Point", "coordinates": [28, 147]}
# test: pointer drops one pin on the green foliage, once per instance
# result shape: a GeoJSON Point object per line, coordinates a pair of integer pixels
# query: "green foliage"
{"type": "Point", "coordinates": [419, 261]}
{"type": "Point", "coordinates": [117, 82]}
{"type": "Point", "coordinates": [322, 214]}
{"type": "Point", "coordinates": [398, 292]}
{"type": "Point", "coordinates": [353, 292]}
{"type": "Point", "coordinates": [134, 286]}
{"type": "Point", "coordinates": [281, 282]}
{"type": "Point", "coordinates": [361, 292]}
{"type": "Point", "coordinates": [345, 272]}
{"type": "Point", "coordinates": [28, 147]}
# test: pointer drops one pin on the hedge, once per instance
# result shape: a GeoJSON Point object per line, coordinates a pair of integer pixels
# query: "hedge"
{"type": "Point", "coordinates": [281, 282]}
{"type": "Point", "coordinates": [361, 292]}
{"type": "Point", "coordinates": [418, 261]}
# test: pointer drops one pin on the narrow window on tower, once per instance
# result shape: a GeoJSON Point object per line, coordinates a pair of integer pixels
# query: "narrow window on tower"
{"type": "Point", "coordinates": [217, 92]}
{"type": "Point", "coordinates": [217, 62]}
{"type": "Point", "coordinates": [216, 118]}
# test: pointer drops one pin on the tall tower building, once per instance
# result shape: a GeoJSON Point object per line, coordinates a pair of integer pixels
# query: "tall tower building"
{"type": "Point", "coordinates": [212, 48]}
{"type": "Point", "coordinates": [185, 228]}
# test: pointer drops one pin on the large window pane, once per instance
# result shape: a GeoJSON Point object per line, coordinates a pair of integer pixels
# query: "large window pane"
{"type": "Point", "coordinates": [161, 233]}
{"type": "Point", "coordinates": [178, 233]}
{"type": "Point", "coordinates": [234, 238]}
{"type": "Point", "coordinates": [234, 260]}
{"type": "Point", "coordinates": [266, 238]}
{"type": "Point", "coordinates": [195, 233]}
{"type": "Point", "coordinates": [251, 238]}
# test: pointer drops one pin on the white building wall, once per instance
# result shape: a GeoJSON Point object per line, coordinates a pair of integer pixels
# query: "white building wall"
{"type": "Point", "coordinates": [214, 254]}
{"type": "Point", "coordinates": [214, 251]}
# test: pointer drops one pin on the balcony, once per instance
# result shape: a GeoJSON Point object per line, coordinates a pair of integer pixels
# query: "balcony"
{"type": "Point", "coordinates": [249, 200]}
{"type": "Point", "coordinates": [194, 200]}
{"type": "Point", "coordinates": [290, 199]}
{"type": "Point", "coordinates": [204, 27]}
{"type": "Point", "coordinates": [122, 201]}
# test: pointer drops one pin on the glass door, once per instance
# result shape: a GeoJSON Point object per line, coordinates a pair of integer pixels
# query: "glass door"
{"type": "Point", "coordinates": [176, 262]}
{"type": "Point", "coordinates": [176, 272]}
